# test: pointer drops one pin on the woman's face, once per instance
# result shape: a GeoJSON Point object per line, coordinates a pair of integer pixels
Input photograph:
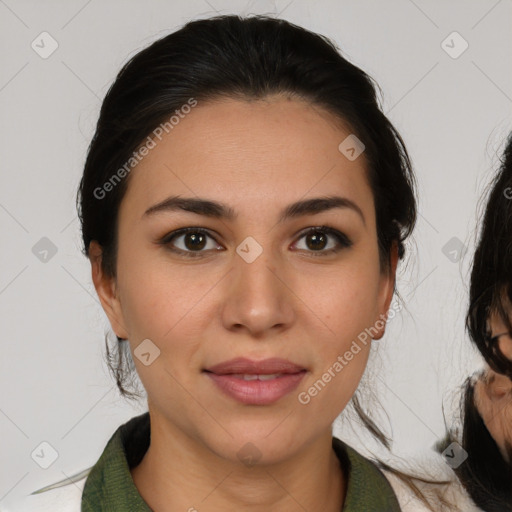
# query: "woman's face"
{"type": "Point", "coordinates": [252, 283]}
{"type": "Point", "coordinates": [493, 392]}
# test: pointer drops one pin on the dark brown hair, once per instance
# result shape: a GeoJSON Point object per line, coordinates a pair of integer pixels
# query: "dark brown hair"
{"type": "Point", "coordinates": [485, 474]}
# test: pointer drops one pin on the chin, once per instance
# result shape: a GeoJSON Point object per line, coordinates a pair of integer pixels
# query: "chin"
{"type": "Point", "coordinates": [250, 446]}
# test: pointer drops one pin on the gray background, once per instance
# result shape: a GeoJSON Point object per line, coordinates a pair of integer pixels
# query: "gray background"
{"type": "Point", "coordinates": [453, 113]}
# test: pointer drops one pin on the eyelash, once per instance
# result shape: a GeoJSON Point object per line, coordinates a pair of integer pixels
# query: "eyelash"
{"type": "Point", "coordinates": [343, 241]}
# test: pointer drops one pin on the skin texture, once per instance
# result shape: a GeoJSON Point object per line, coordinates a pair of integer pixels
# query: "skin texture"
{"type": "Point", "coordinates": [493, 393]}
{"type": "Point", "coordinates": [291, 302]}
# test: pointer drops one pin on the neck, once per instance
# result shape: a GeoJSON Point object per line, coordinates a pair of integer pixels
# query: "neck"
{"type": "Point", "coordinates": [179, 473]}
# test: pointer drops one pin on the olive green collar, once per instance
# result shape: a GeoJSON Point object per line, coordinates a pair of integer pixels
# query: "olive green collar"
{"type": "Point", "coordinates": [110, 487]}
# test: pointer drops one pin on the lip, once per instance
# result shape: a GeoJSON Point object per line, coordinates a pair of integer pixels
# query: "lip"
{"type": "Point", "coordinates": [251, 367]}
{"type": "Point", "coordinates": [228, 377]}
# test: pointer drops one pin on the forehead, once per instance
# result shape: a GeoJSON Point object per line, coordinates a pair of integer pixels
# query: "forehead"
{"type": "Point", "coordinates": [274, 150]}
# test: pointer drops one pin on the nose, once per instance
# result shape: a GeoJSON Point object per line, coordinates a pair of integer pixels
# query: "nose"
{"type": "Point", "coordinates": [498, 385]}
{"type": "Point", "coordinates": [258, 297]}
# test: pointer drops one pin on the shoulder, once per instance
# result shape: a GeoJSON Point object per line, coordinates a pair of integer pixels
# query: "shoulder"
{"type": "Point", "coordinates": [453, 494]}
{"type": "Point", "coordinates": [65, 498]}
{"type": "Point", "coordinates": [443, 493]}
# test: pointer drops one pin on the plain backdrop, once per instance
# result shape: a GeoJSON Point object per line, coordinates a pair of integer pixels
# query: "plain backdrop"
{"type": "Point", "coordinates": [451, 104]}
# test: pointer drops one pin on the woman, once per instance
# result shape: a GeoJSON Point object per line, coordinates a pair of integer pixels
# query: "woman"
{"type": "Point", "coordinates": [487, 430]}
{"type": "Point", "coordinates": [244, 205]}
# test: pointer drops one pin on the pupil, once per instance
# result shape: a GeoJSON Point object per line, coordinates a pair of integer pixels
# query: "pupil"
{"type": "Point", "coordinates": [197, 241]}
{"type": "Point", "coordinates": [318, 241]}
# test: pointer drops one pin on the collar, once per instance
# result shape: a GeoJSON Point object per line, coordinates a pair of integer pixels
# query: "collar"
{"type": "Point", "coordinates": [110, 487]}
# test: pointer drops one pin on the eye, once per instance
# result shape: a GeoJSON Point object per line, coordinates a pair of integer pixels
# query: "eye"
{"type": "Point", "coordinates": [324, 240]}
{"type": "Point", "coordinates": [190, 242]}
{"type": "Point", "coordinates": [193, 242]}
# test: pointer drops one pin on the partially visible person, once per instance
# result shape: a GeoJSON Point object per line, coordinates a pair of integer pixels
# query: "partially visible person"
{"type": "Point", "coordinates": [487, 398]}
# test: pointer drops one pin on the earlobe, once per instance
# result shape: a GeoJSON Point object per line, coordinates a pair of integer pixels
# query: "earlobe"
{"type": "Point", "coordinates": [106, 290]}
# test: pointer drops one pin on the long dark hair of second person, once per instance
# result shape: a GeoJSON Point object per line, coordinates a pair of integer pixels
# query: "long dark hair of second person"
{"type": "Point", "coordinates": [485, 474]}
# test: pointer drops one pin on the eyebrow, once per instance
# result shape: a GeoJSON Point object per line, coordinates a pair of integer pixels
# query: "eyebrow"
{"type": "Point", "coordinates": [219, 210]}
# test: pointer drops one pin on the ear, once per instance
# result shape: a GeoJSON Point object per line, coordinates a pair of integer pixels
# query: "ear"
{"type": "Point", "coordinates": [386, 292]}
{"type": "Point", "coordinates": [107, 291]}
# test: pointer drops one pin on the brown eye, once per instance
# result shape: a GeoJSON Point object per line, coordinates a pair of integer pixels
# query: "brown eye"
{"type": "Point", "coordinates": [324, 240]}
{"type": "Point", "coordinates": [194, 241]}
{"type": "Point", "coordinates": [316, 240]}
{"type": "Point", "coordinates": [190, 242]}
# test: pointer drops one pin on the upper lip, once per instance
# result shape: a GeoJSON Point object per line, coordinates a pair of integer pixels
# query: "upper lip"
{"type": "Point", "coordinates": [242, 365]}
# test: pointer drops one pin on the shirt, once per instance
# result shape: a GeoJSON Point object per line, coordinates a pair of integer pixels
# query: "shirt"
{"type": "Point", "coordinates": [109, 487]}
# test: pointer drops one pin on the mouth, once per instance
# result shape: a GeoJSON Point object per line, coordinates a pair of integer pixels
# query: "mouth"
{"type": "Point", "coordinates": [256, 382]}
{"type": "Point", "coordinates": [244, 366]}
{"type": "Point", "coordinates": [250, 376]}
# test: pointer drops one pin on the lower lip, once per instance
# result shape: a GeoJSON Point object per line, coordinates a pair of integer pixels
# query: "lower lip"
{"type": "Point", "coordinates": [257, 392]}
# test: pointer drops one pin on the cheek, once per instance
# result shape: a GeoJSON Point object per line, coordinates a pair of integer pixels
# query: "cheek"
{"type": "Point", "coordinates": [329, 389]}
{"type": "Point", "coordinates": [347, 304]}
{"type": "Point", "coordinates": [157, 296]}
{"type": "Point", "coordinates": [505, 344]}
{"type": "Point", "coordinates": [346, 297]}
{"type": "Point", "coordinates": [167, 310]}
{"type": "Point", "coordinates": [495, 409]}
